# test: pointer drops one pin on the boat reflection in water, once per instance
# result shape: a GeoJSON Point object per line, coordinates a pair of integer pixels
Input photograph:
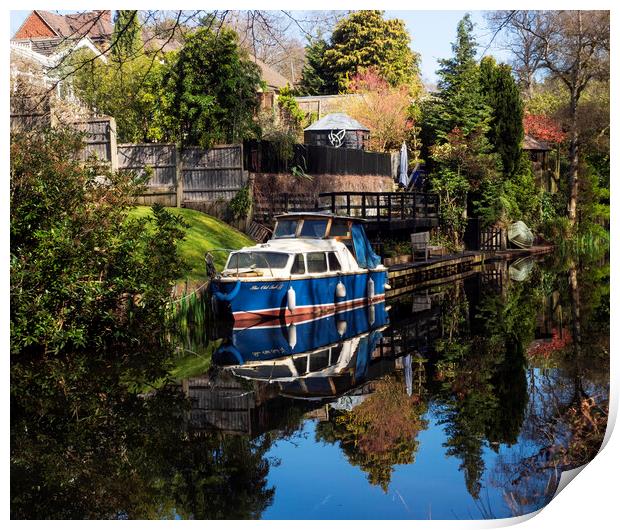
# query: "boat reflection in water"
{"type": "Point", "coordinates": [316, 359]}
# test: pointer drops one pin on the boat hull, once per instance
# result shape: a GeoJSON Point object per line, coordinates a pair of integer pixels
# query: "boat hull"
{"type": "Point", "coordinates": [252, 300]}
{"type": "Point", "coordinates": [520, 235]}
{"type": "Point", "coordinates": [275, 340]}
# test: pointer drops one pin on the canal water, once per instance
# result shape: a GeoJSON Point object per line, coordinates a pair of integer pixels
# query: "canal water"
{"type": "Point", "coordinates": [463, 401]}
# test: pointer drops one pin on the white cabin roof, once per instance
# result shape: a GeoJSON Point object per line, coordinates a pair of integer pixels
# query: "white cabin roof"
{"type": "Point", "coordinates": [292, 245]}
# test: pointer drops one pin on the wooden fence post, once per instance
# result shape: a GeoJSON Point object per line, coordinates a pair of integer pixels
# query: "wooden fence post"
{"type": "Point", "coordinates": [113, 145]}
{"type": "Point", "coordinates": [250, 216]}
{"type": "Point", "coordinates": [178, 158]}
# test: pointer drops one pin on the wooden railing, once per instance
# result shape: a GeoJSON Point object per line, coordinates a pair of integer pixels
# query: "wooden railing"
{"type": "Point", "coordinates": [266, 209]}
{"type": "Point", "coordinates": [381, 207]}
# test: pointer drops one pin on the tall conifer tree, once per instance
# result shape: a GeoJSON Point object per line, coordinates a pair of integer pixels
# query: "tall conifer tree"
{"type": "Point", "coordinates": [315, 78]}
{"type": "Point", "coordinates": [461, 103]}
{"type": "Point", "coordinates": [126, 38]}
{"type": "Point", "coordinates": [363, 40]}
{"type": "Point", "coordinates": [506, 127]}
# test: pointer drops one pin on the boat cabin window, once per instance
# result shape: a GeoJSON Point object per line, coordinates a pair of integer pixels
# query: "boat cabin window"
{"type": "Point", "coordinates": [301, 364]}
{"type": "Point", "coordinates": [299, 266]}
{"type": "Point", "coordinates": [349, 244]}
{"type": "Point", "coordinates": [286, 228]}
{"type": "Point", "coordinates": [339, 228]}
{"type": "Point", "coordinates": [319, 360]}
{"type": "Point", "coordinates": [334, 264]}
{"type": "Point", "coordinates": [257, 260]}
{"type": "Point", "coordinates": [317, 262]}
{"type": "Point", "coordinates": [313, 228]}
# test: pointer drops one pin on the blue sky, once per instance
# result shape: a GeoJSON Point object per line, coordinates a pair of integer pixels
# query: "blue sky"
{"type": "Point", "coordinates": [432, 33]}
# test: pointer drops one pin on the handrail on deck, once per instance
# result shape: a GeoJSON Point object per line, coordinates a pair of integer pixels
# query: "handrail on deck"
{"type": "Point", "coordinates": [381, 206]}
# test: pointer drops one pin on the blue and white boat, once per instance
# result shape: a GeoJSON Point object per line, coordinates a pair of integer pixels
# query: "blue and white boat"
{"type": "Point", "coordinates": [319, 358]}
{"type": "Point", "coordinates": [314, 264]}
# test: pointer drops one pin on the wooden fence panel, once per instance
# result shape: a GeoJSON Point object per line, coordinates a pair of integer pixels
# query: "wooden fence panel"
{"type": "Point", "coordinates": [160, 158]}
{"type": "Point", "coordinates": [211, 175]}
{"type": "Point", "coordinates": [100, 138]}
{"type": "Point", "coordinates": [264, 157]}
{"type": "Point", "coordinates": [491, 239]}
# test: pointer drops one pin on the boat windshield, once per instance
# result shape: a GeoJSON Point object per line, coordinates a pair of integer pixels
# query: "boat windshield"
{"type": "Point", "coordinates": [313, 228]}
{"type": "Point", "coordinates": [285, 228]}
{"type": "Point", "coordinates": [257, 260]}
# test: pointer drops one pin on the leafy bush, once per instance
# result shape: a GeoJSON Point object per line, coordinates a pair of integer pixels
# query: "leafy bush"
{"type": "Point", "coordinates": [88, 285]}
{"type": "Point", "coordinates": [293, 116]}
{"type": "Point", "coordinates": [241, 203]}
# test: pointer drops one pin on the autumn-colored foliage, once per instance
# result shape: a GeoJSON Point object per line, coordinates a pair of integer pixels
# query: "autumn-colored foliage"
{"type": "Point", "coordinates": [543, 128]}
{"type": "Point", "coordinates": [557, 342]}
{"type": "Point", "coordinates": [383, 108]}
{"type": "Point", "coordinates": [381, 432]}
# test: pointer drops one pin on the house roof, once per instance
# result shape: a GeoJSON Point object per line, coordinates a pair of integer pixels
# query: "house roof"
{"type": "Point", "coordinates": [94, 24]}
{"type": "Point", "coordinates": [531, 144]}
{"type": "Point", "coordinates": [270, 76]}
{"type": "Point", "coordinates": [337, 120]}
{"type": "Point", "coordinates": [162, 41]}
{"type": "Point", "coordinates": [49, 52]}
{"type": "Point", "coordinates": [45, 46]}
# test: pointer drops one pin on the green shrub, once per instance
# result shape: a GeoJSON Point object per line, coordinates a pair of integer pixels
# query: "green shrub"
{"type": "Point", "coordinates": [241, 203]}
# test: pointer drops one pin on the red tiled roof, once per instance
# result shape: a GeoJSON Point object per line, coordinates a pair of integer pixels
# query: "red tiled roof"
{"type": "Point", "coordinates": [94, 24]}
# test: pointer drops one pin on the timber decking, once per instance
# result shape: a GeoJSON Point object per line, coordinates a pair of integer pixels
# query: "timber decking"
{"type": "Point", "coordinates": [406, 277]}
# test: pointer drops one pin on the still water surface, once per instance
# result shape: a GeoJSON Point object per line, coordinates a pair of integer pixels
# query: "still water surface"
{"type": "Point", "coordinates": [463, 401]}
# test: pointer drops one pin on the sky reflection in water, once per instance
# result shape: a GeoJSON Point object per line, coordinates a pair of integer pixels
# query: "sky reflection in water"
{"type": "Point", "coordinates": [459, 402]}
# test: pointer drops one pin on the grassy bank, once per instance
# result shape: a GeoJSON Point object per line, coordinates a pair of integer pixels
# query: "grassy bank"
{"type": "Point", "coordinates": [204, 233]}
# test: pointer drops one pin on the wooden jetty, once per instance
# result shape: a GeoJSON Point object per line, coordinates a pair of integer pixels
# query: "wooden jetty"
{"type": "Point", "coordinates": [406, 277]}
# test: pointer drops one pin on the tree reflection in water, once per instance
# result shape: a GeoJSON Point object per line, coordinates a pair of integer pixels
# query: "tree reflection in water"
{"type": "Point", "coordinates": [136, 460]}
{"type": "Point", "coordinates": [515, 369]}
{"type": "Point", "coordinates": [380, 432]}
{"type": "Point", "coordinates": [569, 392]}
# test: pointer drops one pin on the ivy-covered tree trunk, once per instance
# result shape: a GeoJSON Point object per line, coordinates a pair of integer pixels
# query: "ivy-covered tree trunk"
{"type": "Point", "coordinates": [573, 155]}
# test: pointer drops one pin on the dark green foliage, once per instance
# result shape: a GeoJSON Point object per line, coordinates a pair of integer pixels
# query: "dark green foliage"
{"type": "Point", "coordinates": [89, 291]}
{"type": "Point", "coordinates": [506, 126]}
{"type": "Point", "coordinates": [475, 129]}
{"type": "Point", "coordinates": [464, 164]}
{"type": "Point", "coordinates": [87, 284]}
{"type": "Point", "coordinates": [507, 199]}
{"type": "Point", "coordinates": [241, 203]}
{"type": "Point", "coordinates": [315, 77]}
{"type": "Point", "coordinates": [203, 95]}
{"type": "Point", "coordinates": [213, 88]}
{"type": "Point", "coordinates": [131, 91]}
{"type": "Point", "coordinates": [126, 38]}
{"type": "Point", "coordinates": [460, 102]}
{"type": "Point", "coordinates": [364, 39]}
{"type": "Point", "coordinates": [593, 207]}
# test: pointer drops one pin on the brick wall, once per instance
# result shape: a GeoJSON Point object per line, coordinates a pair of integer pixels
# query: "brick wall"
{"type": "Point", "coordinates": [34, 27]}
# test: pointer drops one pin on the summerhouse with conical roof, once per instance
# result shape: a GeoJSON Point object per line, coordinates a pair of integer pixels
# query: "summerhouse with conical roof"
{"type": "Point", "coordinates": [337, 130]}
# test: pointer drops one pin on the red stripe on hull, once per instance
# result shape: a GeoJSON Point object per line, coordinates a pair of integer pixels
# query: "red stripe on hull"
{"type": "Point", "coordinates": [265, 317]}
